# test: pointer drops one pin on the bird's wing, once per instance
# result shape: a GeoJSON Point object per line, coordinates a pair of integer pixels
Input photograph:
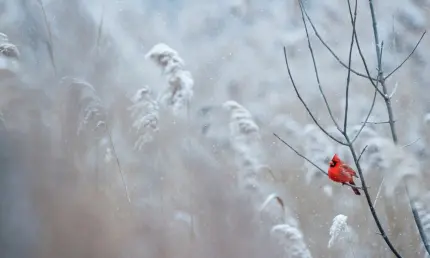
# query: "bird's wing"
{"type": "Point", "coordinates": [348, 170]}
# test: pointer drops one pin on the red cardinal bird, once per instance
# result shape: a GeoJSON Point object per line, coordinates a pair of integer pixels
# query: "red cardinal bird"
{"type": "Point", "coordinates": [342, 173]}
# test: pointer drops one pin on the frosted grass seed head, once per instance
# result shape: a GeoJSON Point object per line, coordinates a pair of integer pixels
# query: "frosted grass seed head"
{"type": "Point", "coordinates": [3, 38]}
{"type": "Point", "coordinates": [9, 50]}
{"type": "Point", "coordinates": [339, 230]}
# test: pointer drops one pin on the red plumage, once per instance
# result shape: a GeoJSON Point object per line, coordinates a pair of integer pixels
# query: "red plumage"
{"type": "Point", "coordinates": [339, 172]}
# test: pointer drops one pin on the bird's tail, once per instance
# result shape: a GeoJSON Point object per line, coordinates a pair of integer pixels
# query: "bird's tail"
{"type": "Point", "coordinates": [355, 189]}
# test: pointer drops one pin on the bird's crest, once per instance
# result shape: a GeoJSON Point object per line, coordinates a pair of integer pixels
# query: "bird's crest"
{"type": "Point", "coordinates": [334, 161]}
{"type": "Point", "coordinates": [335, 158]}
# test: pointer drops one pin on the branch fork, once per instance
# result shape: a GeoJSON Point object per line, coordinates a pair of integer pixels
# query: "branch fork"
{"type": "Point", "coordinates": [379, 85]}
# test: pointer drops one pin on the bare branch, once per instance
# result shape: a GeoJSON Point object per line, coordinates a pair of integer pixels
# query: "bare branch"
{"type": "Point", "coordinates": [367, 75]}
{"type": "Point", "coordinates": [375, 85]}
{"type": "Point", "coordinates": [379, 192]}
{"type": "Point", "coordinates": [117, 159]}
{"type": "Point", "coordinates": [366, 68]}
{"type": "Point", "coordinates": [394, 90]}
{"type": "Point", "coordinates": [316, 69]}
{"type": "Point", "coordinates": [331, 51]}
{"type": "Point", "coordinates": [49, 41]}
{"type": "Point", "coordinates": [409, 144]}
{"type": "Point", "coordinates": [348, 78]}
{"type": "Point", "coordinates": [301, 155]}
{"type": "Point", "coordinates": [376, 233]}
{"type": "Point", "coordinates": [418, 222]}
{"type": "Point", "coordinates": [376, 36]}
{"type": "Point", "coordinates": [361, 153]}
{"type": "Point", "coordinates": [367, 117]}
{"type": "Point", "coordinates": [304, 103]}
{"type": "Point", "coordinates": [372, 80]}
{"type": "Point", "coordinates": [407, 58]}
{"type": "Point", "coordinates": [363, 59]}
{"type": "Point", "coordinates": [377, 123]}
{"type": "Point", "coordinates": [389, 107]}
{"type": "Point", "coordinates": [100, 28]}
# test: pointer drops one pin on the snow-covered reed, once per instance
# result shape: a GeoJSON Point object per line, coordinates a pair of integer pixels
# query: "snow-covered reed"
{"type": "Point", "coordinates": [144, 113]}
{"type": "Point", "coordinates": [179, 92]}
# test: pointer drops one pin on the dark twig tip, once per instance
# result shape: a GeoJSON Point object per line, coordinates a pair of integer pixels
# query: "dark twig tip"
{"type": "Point", "coordinates": [301, 155]}
{"type": "Point", "coordinates": [407, 58]}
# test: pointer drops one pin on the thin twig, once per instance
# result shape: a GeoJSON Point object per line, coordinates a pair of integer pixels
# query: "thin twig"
{"type": "Point", "coordinates": [418, 222]}
{"type": "Point", "coordinates": [379, 191]}
{"type": "Point", "coordinates": [117, 161]}
{"type": "Point", "coordinates": [367, 117]}
{"type": "Point", "coordinates": [348, 78]}
{"type": "Point", "coordinates": [367, 75]}
{"type": "Point", "coordinates": [363, 60]}
{"type": "Point", "coordinates": [409, 144]}
{"type": "Point", "coordinates": [391, 118]}
{"type": "Point", "coordinates": [301, 155]}
{"type": "Point", "coordinates": [304, 103]}
{"type": "Point", "coordinates": [373, 100]}
{"type": "Point", "coordinates": [49, 43]}
{"type": "Point", "coordinates": [362, 152]}
{"type": "Point", "coordinates": [100, 28]}
{"type": "Point", "coordinates": [375, 35]}
{"type": "Point", "coordinates": [394, 90]}
{"type": "Point", "coordinates": [407, 58]}
{"type": "Point", "coordinates": [311, 51]}
{"type": "Point", "coordinates": [376, 123]}
{"type": "Point", "coordinates": [371, 106]}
